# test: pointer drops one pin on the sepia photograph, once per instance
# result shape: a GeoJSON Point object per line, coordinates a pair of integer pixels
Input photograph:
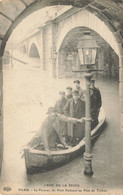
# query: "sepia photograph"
{"type": "Point", "coordinates": [61, 97]}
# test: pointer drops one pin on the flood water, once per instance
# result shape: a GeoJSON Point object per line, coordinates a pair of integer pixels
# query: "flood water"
{"type": "Point", "coordinates": [27, 93]}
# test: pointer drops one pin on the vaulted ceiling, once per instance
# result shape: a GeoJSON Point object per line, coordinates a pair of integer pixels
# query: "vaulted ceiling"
{"type": "Point", "coordinates": [14, 11]}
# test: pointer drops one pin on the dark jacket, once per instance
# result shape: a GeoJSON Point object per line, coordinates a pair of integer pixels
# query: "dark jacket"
{"type": "Point", "coordinates": [68, 97]}
{"type": "Point", "coordinates": [76, 111]}
{"type": "Point", "coordinates": [60, 104]}
{"type": "Point", "coordinates": [97, 96]}
{"type": "Point", "coordinates": [96, 103]}
{"type": "Point", "coordinates": [80, 92]}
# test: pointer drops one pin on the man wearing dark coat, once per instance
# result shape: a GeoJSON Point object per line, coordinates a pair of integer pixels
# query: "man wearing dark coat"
{"type": "Point", "coordinates": [96, 103]}
{"type": "Point", "coordinates": [69, 93]}
{"type": "Point", "coordinates": [77, 87]}
{"type": "Point", "coordinates": [59, 106]}
{"type": "Point", "coordinates": [75, 108]}
{"type": "Point", "coordinates": [50, 133]}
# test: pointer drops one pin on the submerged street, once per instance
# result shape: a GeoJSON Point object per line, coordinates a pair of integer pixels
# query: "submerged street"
{"type": "Point", "coordinates": [27, 93]}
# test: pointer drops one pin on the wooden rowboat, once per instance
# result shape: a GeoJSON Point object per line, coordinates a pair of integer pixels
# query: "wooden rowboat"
{"type": "Point", "coordinates": [38, 160]}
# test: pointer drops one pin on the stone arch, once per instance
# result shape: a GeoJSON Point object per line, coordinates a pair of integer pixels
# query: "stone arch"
{"type": "Point", "coordinates": [21, 9]}
{"type": "Point", "coordinates": [68, 55]}
{"type": "Point", "coordinates": [24, 49]}
{"type": "Point", "coordinates": [33, 51]}
{"type": "Point", "coordinates": [91, 21]}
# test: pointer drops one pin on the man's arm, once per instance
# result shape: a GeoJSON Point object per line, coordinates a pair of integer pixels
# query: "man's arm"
{"type": "Point", "coordinates": [68, 119]}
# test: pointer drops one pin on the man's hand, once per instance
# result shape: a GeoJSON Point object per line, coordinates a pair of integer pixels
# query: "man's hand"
{"type": "Point", "coordinates": [81, 120]}
{"type": "Point", "coordinates": [48, 152]}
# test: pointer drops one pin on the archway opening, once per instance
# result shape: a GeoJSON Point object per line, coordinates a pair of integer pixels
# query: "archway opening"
{"type": "Point", "coordinates": [34, 51]}
{"type": "Point", "coordinates": [107, 60]}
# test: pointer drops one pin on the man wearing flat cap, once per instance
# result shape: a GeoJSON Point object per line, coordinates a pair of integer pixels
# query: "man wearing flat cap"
{"type": "Point", "coordinates": [69, 93]}
{"type": "Point", "coordinates": [50, 133]}
{"type": "Point", "coordinates": [96, 103]}
{"type": "Point", "coordinates": [77, 87]}
{"type": "Point", "coordinates": [59, 106]}
{"type": "Point", "coordinates": [61, 102]}
{"type": "Point", "coordinates": [75, 108]}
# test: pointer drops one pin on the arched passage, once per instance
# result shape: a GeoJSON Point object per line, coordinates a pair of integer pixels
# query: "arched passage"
{"type": "Point", "coordinates": [88, 20]}
{"type": "Point", "coordinates": [33, 52]}
{"type": "Point", "coordinates": [68, 59]}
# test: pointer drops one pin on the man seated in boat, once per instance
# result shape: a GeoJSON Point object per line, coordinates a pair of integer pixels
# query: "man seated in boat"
{"type": "Point", "coordinates": [50, 133]}
{"type": "Point", "coordinates": [96, 103]}
{"type": "Point", "coordinates": [75, 108]}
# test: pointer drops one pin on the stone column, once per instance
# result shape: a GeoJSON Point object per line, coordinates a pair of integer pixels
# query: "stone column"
{"type": "Point", "coordinates": [54, 54]}
{"type": "Point", "coordinates": [101, 58]}
{"type": "Point", "coordinates": [57, 65]}
{"type": "Point", "coordinates": [1, 115]}
{"type": "Point", "coordinates": [43, 49]}
{"type": "Point", "coordinates": [60, 64]}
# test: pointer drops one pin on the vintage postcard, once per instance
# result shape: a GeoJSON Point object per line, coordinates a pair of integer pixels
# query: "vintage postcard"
{"type": "Point", "coordinates": [61, 97]}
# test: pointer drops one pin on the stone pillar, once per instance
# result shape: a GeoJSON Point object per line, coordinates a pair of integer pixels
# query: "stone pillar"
{"type": "Point", "coordinates": [60, 64]}
{"type": "Point", "coordinates": [121, 91]}
{"type": "Point", "coordinates": [43, 49]}
{"type": "Point", "coordinates": [1, 115]}
{"type": "Point", "coordinates": [57, 66]}
{"type": "Point", "coordinates": [54, 54]}
{"type": "Point", "coordinates": [101, 59]}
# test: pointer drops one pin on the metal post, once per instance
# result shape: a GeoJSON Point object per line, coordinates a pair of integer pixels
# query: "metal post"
{"type": "Point", "coordinates": [87, 155]}
{"type": "Point", "coordinates": [1, 114]}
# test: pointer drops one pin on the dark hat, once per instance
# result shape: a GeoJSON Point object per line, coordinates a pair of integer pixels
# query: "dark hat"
{"type": "Point", "coordinates": [92, 80]}
{"type": "Point", "coordinates": [61, 92]}
{"type": "Point", "coordinates": [51, 109]}
{"type": "Point", "coordinates": [75, 92]}
{"type": "Point", "coordinates": [69, 88]}
{"type": "Point", "coordinates": [76, 81]}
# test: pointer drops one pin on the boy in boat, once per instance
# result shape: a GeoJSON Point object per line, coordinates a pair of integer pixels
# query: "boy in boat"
{"type": "Point", "coordinates": [75, 108]}
{"type": "Point", "coordinates": [69, 93]}
{"type": "Point", "coordinates": [77, 87]}
{"type": "Point", "coordinates": [59, 106]}
{"type": "Point", "coordinates": [96, 103]}
{"type": "Point", "coordinates": [50, 133]}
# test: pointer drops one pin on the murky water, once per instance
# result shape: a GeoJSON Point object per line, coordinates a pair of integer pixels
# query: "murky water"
{"type": "Point", "coordinates": [28, 92]}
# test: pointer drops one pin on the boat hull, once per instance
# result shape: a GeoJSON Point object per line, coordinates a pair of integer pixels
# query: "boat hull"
{"type": "Point", "coordinates": [39, 161]}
